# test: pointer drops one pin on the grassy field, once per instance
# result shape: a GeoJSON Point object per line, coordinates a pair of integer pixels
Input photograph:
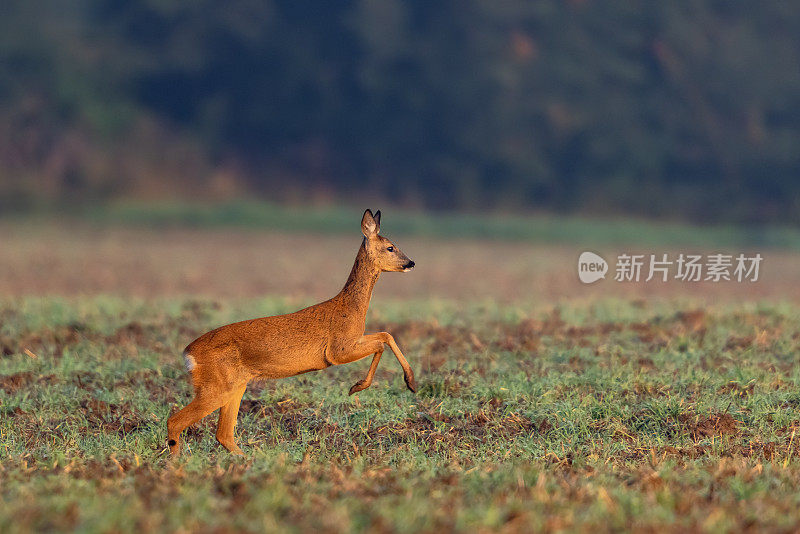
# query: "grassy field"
{"type": "Point", "coordinates": [597, 415]}
{"type": "Point", "coordinates": [543, 404]}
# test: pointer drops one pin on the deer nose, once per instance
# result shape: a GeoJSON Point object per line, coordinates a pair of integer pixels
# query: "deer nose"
{"type": "Point", "coordinates": [409, 265]}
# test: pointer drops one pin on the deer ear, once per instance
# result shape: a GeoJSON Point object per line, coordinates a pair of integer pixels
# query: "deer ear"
{"type": "Point", "coordinates": [377, 218]}
{"type": "Point", "coordinates": [368, 225]}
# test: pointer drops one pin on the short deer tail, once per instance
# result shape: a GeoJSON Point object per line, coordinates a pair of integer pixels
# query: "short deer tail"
{"type": "Point", "coordinates": [189, 361]}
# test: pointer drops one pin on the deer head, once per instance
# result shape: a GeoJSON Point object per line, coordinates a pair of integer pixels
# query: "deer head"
{"type": "Point", "coordinates": [381, 252]}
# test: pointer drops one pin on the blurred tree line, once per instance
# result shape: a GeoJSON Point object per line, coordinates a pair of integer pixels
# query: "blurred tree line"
{"type": "Point", "coordinates": [684, 109]}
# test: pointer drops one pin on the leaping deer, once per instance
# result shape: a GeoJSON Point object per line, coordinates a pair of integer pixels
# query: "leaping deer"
{"type": "Point", "coordinates": [223, 361]}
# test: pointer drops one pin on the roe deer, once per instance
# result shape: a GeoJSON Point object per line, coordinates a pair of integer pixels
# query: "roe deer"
{"type": "Point", "coordinates": [223, 361]}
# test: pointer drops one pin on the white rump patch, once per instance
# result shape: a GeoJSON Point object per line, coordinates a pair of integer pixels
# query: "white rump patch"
{"type": "Point", "coordinates": [188, 361]}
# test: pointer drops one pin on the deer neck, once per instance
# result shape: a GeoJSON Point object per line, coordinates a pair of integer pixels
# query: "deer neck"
{"type": "Point", "coordinates": [357, 291]}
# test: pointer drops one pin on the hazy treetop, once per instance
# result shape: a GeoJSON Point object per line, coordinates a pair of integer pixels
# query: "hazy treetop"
{"type": "Point", "coordinates": [682, 108]}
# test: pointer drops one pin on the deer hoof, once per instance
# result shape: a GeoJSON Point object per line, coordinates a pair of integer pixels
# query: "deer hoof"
{"type": "Point", "coordinates": [358, 386]}
{"type": "Point", "coordinates": [410, 383]}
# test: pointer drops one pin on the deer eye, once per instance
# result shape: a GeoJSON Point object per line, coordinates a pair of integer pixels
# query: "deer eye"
{"type": "Point", "coordinates": [390, 249]}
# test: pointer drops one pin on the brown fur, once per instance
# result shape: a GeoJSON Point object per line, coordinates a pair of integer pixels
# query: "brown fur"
{"type": "Point", "coordinates": [224, 360]}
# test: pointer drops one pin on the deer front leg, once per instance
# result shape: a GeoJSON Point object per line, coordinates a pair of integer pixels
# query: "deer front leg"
{"type": "Point", "coordinates": [373, 344]}
{"type": "Point", "coordinates": [408, 374]}
{"type": "Point", "coordinates": [361, 385]}
{"type": "Point", "coordinates": [363, 347]}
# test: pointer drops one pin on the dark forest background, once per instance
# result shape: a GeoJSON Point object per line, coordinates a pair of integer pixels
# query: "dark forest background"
{"type": "Point", "coordinates": [681, 109]}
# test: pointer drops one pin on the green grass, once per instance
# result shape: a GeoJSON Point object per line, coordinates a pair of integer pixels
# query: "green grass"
{"type": "Point", "coordinates": [599, 416]}
{"type": "Point", "coordinates": [553, 229]}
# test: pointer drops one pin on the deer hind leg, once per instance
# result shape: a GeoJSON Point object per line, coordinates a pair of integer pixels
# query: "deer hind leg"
{"type": "Point", "coordinates": [361, 385]}
{"type": "Point", "coordinates": [214, 385]}
{"type": "Point", "coordinates": [227, 420]}
{"type": "Point", "coordinates": [203, 404]}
